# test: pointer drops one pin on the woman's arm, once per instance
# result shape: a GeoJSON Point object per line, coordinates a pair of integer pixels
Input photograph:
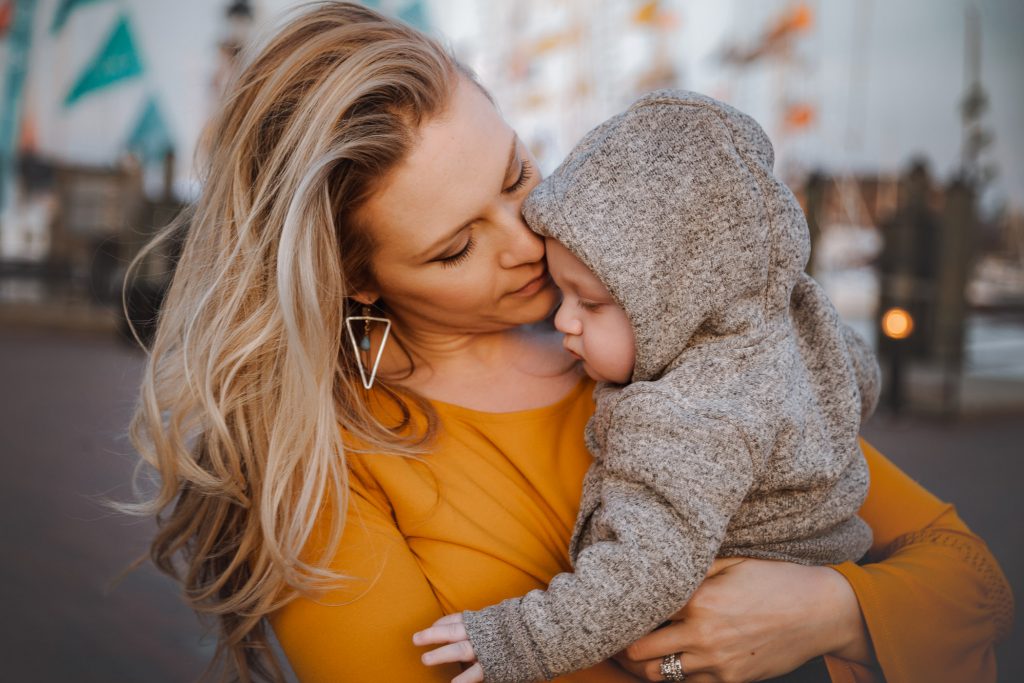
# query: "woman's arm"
{"type": "Point", "coordinates": [929, 605]}
{"type": "Point", "coordinates": [365, 635]}
{"type": "Point", "coordinates": [933, 598]}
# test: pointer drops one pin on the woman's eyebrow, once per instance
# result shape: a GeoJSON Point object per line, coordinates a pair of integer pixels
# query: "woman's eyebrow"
{"type": "Point", "coordinates": [510, 170]}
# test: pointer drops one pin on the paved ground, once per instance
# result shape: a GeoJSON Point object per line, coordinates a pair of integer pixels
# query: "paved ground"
{"type": "Point", "coordinates": [978, 464]}
{"type": "Point", "coordinates": [64, 402]}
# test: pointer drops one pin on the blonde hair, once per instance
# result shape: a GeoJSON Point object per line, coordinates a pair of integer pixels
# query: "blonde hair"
{"type": "Point", "coordinates": [248, 376]}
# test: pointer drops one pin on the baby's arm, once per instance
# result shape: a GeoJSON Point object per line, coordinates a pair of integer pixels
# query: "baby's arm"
{"type": "Point", "coordinates": [670, 483]}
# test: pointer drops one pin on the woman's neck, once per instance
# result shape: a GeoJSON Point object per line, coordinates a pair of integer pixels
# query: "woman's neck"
{"type": "Point", "coordinates": [509, 370]}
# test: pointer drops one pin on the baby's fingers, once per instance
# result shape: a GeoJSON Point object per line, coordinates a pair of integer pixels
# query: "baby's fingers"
{"type": "Point", "coordinates": [441, 632]}
{"type": "Point", "coordinates": [474, 674]}
{"type": "Point", "coordinates": [461, 651]}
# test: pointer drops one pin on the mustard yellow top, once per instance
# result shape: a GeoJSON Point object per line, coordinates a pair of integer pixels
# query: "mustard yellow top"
{"type": "Point", "coordinates": [488, 515]}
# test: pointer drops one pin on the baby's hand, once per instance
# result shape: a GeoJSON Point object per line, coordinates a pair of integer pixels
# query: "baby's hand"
{"type": "Point", "coordinates": [451, 630]}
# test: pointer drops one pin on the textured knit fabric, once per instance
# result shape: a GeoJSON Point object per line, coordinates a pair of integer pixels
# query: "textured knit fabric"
{"type": "Point", "coordinates": [738, 433]}
{"type": "Point", "coordinates": [488, 514]}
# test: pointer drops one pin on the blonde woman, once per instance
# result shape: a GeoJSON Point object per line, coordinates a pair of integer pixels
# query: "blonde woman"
{"type": "Point", "coordinates": [362, 204]}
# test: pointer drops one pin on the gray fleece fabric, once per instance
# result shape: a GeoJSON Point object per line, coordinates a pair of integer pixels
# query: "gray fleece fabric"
{"type": "Point", "coordinates": [737, 435]}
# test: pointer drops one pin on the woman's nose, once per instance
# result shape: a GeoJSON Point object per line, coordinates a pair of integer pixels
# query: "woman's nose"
{"type": "Point", "coordinates": [522, 245]}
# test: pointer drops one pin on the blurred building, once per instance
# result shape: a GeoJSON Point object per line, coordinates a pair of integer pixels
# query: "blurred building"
{"type": "Point", "coordinates": [102, 102]}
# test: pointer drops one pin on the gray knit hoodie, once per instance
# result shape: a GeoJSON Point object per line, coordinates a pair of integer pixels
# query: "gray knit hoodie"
{"type": "Point", "coordinates": [738, 433]}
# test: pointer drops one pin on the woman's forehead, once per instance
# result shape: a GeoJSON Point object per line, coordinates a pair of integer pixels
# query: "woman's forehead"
{"type": "Point", "coordinates": [454, 173]}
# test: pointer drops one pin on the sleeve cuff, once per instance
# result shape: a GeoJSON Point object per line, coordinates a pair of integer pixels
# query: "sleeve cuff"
{"type": "Point", "coordinates": [503, 644]}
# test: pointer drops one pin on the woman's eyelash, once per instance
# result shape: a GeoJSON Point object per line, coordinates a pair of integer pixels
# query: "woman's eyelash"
{"type": "Point", "coordinates": [588, 305]}
{"type": "Point", "coordinates": [456, 259]}
{"type": "Point", "coordinates": [525, 173]}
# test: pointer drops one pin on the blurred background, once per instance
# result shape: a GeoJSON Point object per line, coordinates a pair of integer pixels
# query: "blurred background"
{"type": "Point", "coordinates": [899, 125]}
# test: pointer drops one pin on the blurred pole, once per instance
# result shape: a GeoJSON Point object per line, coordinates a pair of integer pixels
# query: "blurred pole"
{"type": "Point", "coordinates": [896, 354]}
{"type": "Point", "coordinates": [955, 255]}
{"type": "Point", "coordinates": [814, 198]}
{"type": "Point", "coordinates": [19, 39]}
{"type": "Point", "coordinates": [168, 176]}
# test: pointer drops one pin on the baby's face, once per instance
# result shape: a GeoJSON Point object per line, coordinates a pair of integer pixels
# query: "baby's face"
{"type": "Point", "coordinates": [596, 329]}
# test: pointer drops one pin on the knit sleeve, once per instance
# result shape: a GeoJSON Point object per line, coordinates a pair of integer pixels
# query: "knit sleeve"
{"type": "Point", "coordinates": [669, 484]}
{"type": "Point", "coordinates": [934, 599]}
{"type": "Point", "coordinates": [865, 367]}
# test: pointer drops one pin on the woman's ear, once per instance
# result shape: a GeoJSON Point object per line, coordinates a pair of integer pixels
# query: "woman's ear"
{"type": "Point", "coordinates": [366, 297]}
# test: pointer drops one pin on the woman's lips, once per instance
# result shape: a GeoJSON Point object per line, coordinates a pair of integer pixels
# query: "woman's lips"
{"type": "Point", "coordinates": [533, 286]}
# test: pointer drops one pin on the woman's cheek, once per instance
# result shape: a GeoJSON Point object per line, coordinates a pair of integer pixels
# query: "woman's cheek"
{"type": "Point", "coordinates": [467, 287]}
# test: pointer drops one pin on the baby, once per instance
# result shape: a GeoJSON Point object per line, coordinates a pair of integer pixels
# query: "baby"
{"type": "Point", "coordinates": [729, 395]}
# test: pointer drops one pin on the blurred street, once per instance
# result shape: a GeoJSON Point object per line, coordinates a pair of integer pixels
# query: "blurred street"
{"type": "Point", "coordinates": [64, 406]}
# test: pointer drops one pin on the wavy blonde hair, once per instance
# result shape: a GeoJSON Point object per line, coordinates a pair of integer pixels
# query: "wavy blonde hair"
{"type": "Point", "coordinates": [248, 376]}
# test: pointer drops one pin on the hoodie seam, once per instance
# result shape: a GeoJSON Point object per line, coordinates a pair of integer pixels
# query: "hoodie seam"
{"type": "Point", "coordinates": [759, 176]}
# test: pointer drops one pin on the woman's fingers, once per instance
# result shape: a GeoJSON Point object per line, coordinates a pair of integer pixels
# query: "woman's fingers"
{"type": "Point", "coordinates": [650, 669]}
{"type": "Point", "coordinates": [660, 642]}
{"type": "Point", "coordinates": [474, 674]}
{"type": "Point", "coordinates": [461, 651]}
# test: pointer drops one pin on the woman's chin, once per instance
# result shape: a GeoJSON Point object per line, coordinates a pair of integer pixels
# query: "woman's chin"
{"type": "Point", "coordinates": [540, 306]}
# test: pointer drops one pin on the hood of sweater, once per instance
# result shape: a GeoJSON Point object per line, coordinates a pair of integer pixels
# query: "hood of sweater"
{"type": "Point", "coordinates": [674, 207]}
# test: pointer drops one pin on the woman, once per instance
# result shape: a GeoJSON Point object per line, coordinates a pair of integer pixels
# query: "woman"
{"type": "Point", "coordinates": [362, 203]}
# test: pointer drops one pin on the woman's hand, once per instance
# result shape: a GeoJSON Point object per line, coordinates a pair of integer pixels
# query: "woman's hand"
{"type": "Point", "coordinates": [755, 619]}
{"type": "Point", "coordinates": [451, 630]}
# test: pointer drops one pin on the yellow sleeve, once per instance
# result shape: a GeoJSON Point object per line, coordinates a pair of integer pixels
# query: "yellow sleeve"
{"type": "Point", "coordinates": [934, 599]}
{"type": "Point", "coordinates": [363, 632]}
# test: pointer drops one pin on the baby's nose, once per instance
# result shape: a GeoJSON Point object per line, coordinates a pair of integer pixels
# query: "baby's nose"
{"type": "Point", "coordinates": [565, 322]}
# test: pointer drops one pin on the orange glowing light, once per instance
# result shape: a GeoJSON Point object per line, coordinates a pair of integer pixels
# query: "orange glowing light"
{"type": "Point", "coordinates": [897, 323]}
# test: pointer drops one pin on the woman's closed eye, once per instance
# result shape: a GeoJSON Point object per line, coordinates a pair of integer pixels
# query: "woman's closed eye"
{"type": "Point", "coordinates": [525, 173]}
{"type": "Point", "coordinates": [588, 305]}
{"type": "Point", "coordinates": [462, 255]}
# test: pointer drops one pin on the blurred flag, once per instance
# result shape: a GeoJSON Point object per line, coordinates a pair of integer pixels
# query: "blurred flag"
{"type": "Point", "coordinates": [28, 137]}
{"type": "Point", "coordinates": [647, 13]}
{"type": "Point", "coordinates": [777, 39]}
{"type": "Point", "coordinates": [553, 41]}
{"type": "Point", "coordinates": [117, 61]}
{"type": "Point", "coordinates": [650, 13]}
{"type": "Point", "coordinates": [151, 138]}
{"type": "Point", "coordinates": [6, 15]}
{"type": "Point", "coordinates": [798, 115]}
{"type": "Point", "coordinates": [64, 10]}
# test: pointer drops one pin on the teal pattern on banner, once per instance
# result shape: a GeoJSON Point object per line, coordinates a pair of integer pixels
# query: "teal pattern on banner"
{"type": "Point", "coordinates": [19, 40]}
{"type": "Point", "coordinates": [117, 61]}
{"type": "Point", "coordinates": [151, 138]}
{"type": "Point", "coordinates": [412, 12]}
{"type": "Point", "coordinates": [64, 10]}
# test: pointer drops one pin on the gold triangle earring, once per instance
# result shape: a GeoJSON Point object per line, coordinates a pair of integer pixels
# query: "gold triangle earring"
{"type": "Point", "coordinates": [363, 345]}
